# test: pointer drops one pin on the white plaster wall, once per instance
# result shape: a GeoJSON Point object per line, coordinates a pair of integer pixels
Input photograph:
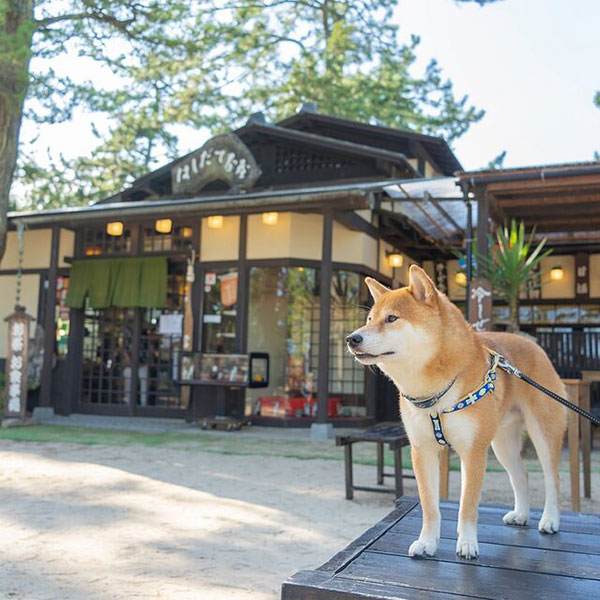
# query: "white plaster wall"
{"type": "Point", "coordinates": [220, 244]}
{"type": "Point", "coordinates": [558, 289]}
{"type": "Point", "coordinates": [36, 249]}
{"type": "Point", "coordinates": [30, 290]}
{"type": "Point", "coordinates": [354, 247]}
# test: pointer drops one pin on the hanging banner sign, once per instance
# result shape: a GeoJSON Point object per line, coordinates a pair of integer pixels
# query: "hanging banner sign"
{"type": "Point", "coordinates": [441, 276]}
{"type": "Point", "coordinates": [480, 304]}
{"type": "Point", "coordinates": [229, 289]}
{"type": "Point", "coordinates": [223, 158]}
{"type": "Point", "coordinates": [15, 402]}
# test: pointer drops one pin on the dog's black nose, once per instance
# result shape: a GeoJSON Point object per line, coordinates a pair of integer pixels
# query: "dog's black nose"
{"type": "Point", "coordinates": [354, 339]}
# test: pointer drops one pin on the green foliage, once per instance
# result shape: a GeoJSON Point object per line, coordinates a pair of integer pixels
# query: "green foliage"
{"type": "Point", "coordinates": [211, 64]}
{"type": "Point", "coordinates": [511, 265]}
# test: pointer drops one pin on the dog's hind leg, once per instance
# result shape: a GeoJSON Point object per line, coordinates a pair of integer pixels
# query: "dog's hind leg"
{"type": "Point", "coordinates": [507, 445]}
{"type": "Point", "coordinates": [546, 423]}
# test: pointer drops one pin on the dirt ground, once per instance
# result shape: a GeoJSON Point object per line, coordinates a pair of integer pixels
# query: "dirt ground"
{"type": "Point", "coordinates": [86, 522]}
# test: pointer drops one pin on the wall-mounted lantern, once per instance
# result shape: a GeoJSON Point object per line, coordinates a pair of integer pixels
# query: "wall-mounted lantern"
{"type": "Point", "coordinates": [114, 228]}
{"type": "Point", "coordinates": [215, 222]}
{"type": "Point", "coordinates": [187, 232]}
{"type": "Point", "coordinates": [163, 225]}
{"type": "Point", "coordinates": [270, 218]}
{"type": "Point", "coordinates": [395, 259]}
{"type": "Point", "coordinates": [557, 273]}
{"type": "Point", "coordinates": [461, 278]}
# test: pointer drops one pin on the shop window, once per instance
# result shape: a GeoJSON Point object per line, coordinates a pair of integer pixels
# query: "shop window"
{"type": "Point", "coordinates": [283, 321]}
{"type": "Point", "coordinates": [179, 239]}
{"type": "Point", "coordinates": [106, 364]}
{"type": "Point", "coordinates": [161, 345]}
{"type": "Point", "coordinates": [349, 297]}
{"type": "Point", "coordinates": [220, 311]}
{"type": "Point", "coordinates": [97, 242]}
{"type": "Point", "coordinates": [284, 314]}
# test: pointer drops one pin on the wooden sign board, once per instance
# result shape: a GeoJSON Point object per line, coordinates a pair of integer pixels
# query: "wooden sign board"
{"type": "Point", "coordinates": [582, 275]}
{"type": "Point", "coordinates": [480, 304]}
{"type": "Point", "coordinates": [441, 276]}
{"type": "Point", "coordinates": [15, 399]}
{"type": "Point", "coordinates": [223, 158]}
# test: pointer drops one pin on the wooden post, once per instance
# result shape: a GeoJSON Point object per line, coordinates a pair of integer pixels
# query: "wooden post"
{"type": "Point", "coordinates": [444, 472]}
{"type": "Point", "coordinates": [325, 318]}
{"type": "Point", "coordinates": [380, 463]}
{"type": "Point", "coordinates": [50, 321]}
{"type": "Point", "coordinates": [241, 325]}
{"type": "Point", "coordinates": [483, 212]}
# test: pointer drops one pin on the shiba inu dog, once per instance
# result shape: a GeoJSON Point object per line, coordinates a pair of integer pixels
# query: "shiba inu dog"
{"type": "Point", "coordinates": [421, 341]}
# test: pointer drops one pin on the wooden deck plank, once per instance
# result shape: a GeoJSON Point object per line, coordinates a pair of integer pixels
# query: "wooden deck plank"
{"type": "Point", "coordinates": [317, 585]}
{"type": "Point", "coordinates": [494, 517]}
{"type": "Point", "coordinates": [535, 513]}
{"type": "Point", "coordinates": [510, 536]}
{"type": "Point", "coordinates": [509, 557]}
{"type": "Point", "coordinates": [468, 578]}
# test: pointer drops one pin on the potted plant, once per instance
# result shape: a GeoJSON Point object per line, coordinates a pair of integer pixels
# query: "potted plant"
{"type": "Point", "coordinates": [511, 266]}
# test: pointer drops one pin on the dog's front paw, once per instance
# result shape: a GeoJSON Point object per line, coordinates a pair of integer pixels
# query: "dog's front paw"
{"type": "Point", "coordinates": [514, 517]}
{"type": "Point", "coordinates": [423, 547]}
{"type": "Point", "coordinates": [467, 547]}
{"type": "Point", "coordinates": [549, 523]}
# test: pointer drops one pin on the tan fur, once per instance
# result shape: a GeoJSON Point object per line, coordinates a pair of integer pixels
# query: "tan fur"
{"type": "Point", "coordinates": [426, 347]}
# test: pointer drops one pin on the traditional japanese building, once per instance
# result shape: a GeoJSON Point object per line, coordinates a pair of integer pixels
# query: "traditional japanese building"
{"type": "Point", "coordinates": [259, 241]}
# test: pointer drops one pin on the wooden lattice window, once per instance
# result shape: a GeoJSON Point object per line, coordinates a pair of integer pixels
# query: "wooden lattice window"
{"type": "Point", "coordinates": [178, 240]}
{"type": "Point", "coordinates": [288, 160]}
{"type": "Point", "coordinates": [96, 241]}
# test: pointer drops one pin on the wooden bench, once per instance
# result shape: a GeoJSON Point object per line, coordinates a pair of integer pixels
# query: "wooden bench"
{"type": "Point", "coordinates": [515, 562]}
{"type": "Point", "coordinates": [390, 433]}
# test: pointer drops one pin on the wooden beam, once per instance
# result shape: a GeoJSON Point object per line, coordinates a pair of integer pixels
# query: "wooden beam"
{"type": "Point", "coordinates": [354, 222]}
{"type": "Point", "coordinates": [543, 184]}
{"type": "Point", "coordinates": [558, 199]}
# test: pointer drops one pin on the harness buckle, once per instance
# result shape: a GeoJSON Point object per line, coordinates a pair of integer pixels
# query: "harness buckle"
{"type": "Point", "coordinates": [506, 366]}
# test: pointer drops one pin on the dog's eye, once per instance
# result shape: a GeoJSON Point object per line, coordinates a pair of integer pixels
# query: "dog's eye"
{"type": "Point", "coordinates": [391, 318]}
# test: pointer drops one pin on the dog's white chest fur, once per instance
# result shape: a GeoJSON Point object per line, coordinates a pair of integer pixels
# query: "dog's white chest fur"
{"type": "Point", "coordinates": [459, 428]}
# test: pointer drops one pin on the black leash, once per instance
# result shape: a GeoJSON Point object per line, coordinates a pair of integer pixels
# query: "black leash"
{"type": "Point", "coordinates": [512, 370]}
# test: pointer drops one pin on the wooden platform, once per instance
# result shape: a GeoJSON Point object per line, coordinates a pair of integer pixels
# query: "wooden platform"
{"type": "Point", "coordinates": [515, 562]}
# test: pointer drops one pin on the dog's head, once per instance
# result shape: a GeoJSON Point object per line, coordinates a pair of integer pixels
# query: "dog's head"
{"type": "Point", "coordinates": [403, 324]}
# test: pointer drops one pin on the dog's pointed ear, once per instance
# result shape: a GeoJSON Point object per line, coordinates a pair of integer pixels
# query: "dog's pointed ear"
{"type": "Point", "coordinates": [377, 289]}
{"type": "Point", "coordinates": [420, 284]}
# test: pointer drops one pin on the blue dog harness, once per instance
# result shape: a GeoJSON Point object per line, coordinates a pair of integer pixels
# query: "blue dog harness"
{"type": "Point", "coordinates": [486, 387]}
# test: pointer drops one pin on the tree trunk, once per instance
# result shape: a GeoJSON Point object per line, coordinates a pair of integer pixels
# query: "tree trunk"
{"type": "Point", "coordinates": [16, 33]}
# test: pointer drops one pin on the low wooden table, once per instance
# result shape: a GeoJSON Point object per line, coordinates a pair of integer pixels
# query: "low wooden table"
{"type": "Point", "coordinates": [390, 433]}
{"type": "Point", "coordinates": [515, 562]}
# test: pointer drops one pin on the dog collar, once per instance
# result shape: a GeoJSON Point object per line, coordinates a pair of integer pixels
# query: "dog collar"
{"type": "Point", "coordinates": [428, 401]}
{"type": "Point", "coordinates": [486, 387]}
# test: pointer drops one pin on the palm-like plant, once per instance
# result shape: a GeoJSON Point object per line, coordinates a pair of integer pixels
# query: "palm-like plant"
{"type": "Point", "coordinates": [511, 266]}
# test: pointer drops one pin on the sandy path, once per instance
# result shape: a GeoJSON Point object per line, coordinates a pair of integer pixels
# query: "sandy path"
{"type": "Point", "coordinates": [102, 522]}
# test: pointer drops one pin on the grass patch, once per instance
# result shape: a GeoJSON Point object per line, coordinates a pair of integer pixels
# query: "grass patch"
{"type": "Point", "coordinates": [223, 443]}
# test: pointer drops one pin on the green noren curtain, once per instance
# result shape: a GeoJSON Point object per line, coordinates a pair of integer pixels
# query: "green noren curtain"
{"type": "Point", "coordinates": [123, 282]}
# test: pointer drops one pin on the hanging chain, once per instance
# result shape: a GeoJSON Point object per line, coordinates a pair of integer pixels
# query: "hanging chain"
{"type": "Point", "coordinates": [20, 237]}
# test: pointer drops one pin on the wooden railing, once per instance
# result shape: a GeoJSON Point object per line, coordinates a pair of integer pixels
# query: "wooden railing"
{"type": "Point", "coordinates": [572, 351]}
